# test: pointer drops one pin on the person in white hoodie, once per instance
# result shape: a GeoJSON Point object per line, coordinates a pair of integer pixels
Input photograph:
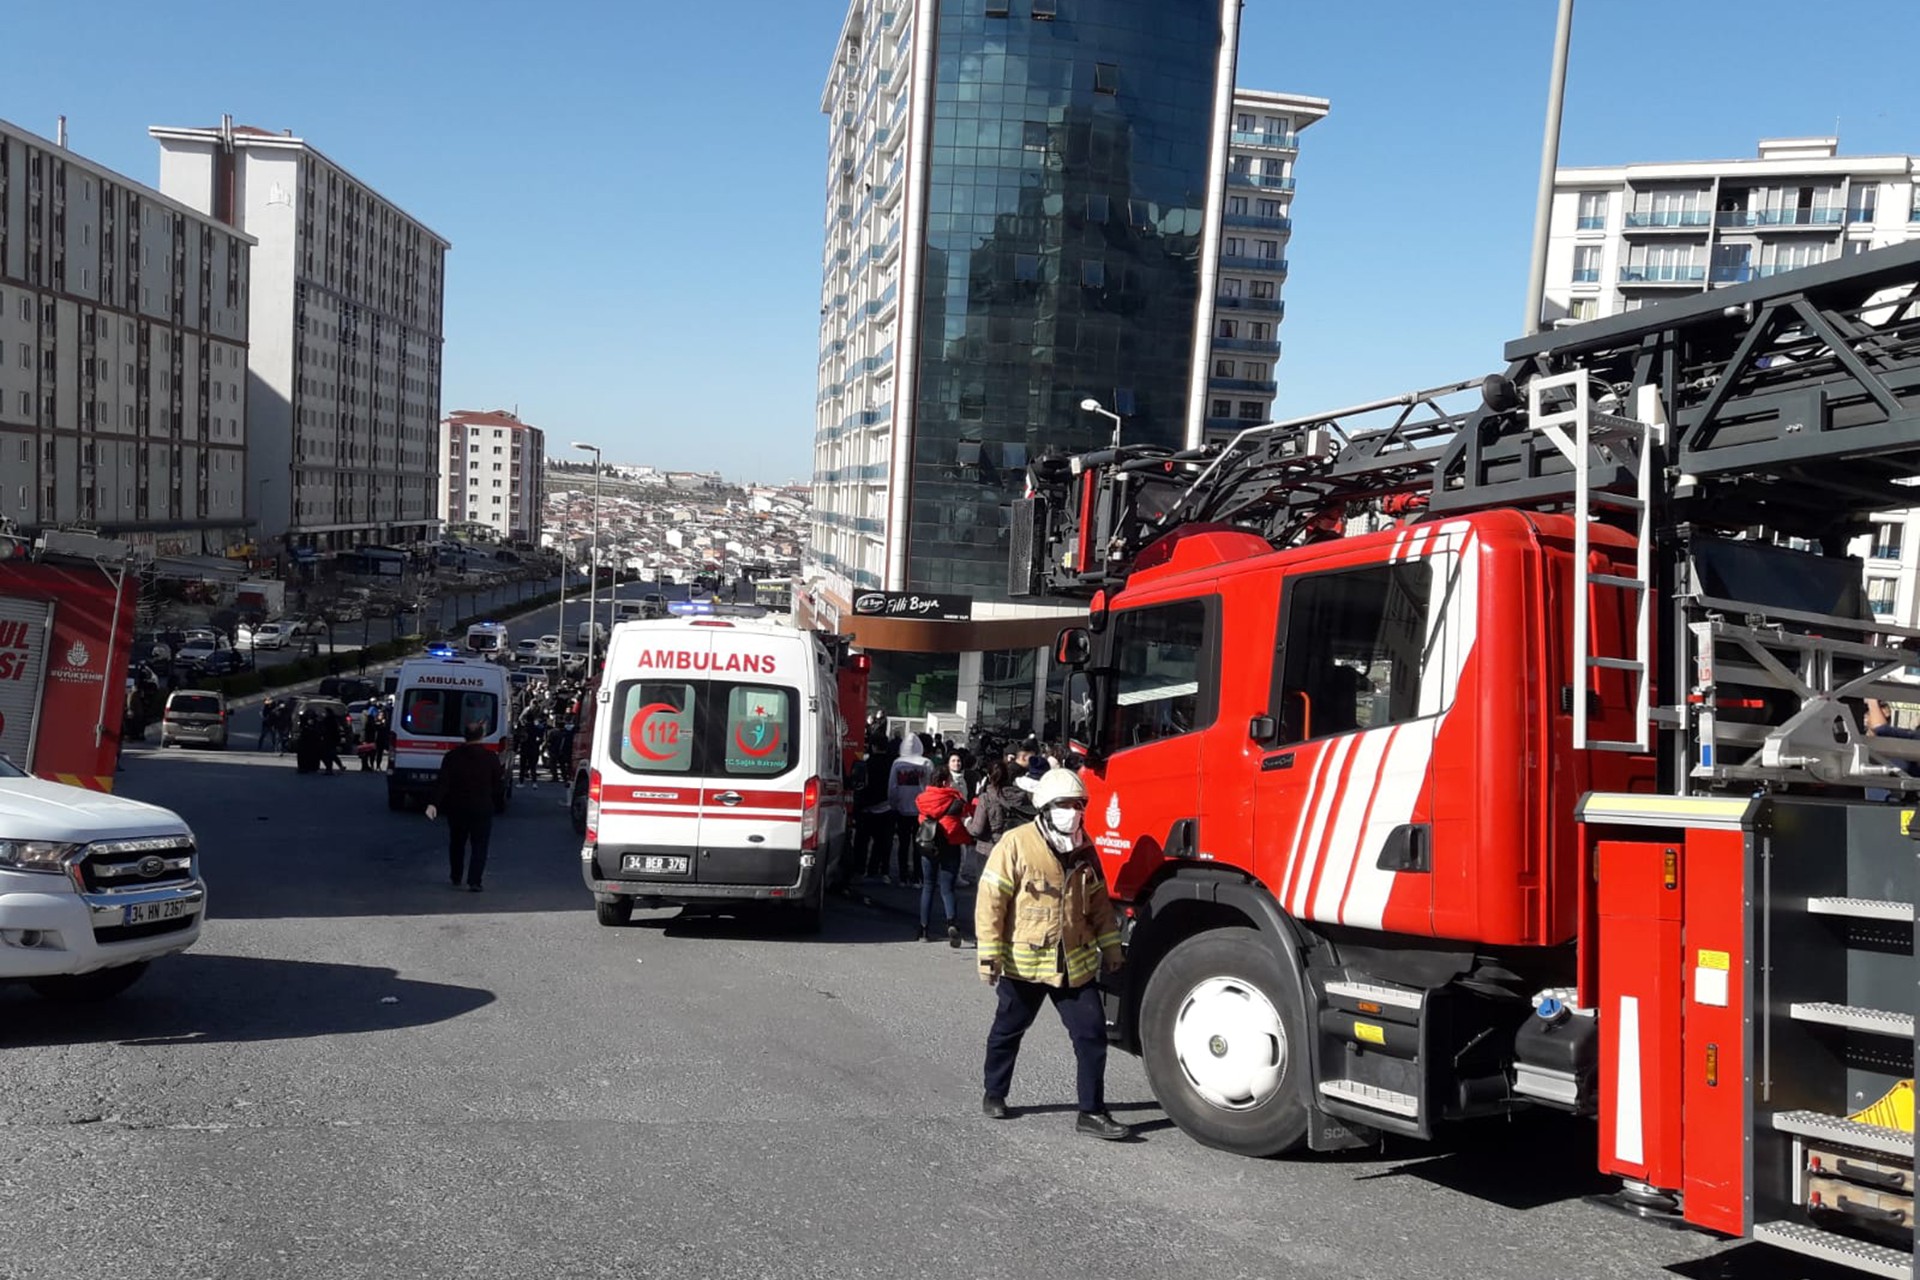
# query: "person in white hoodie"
{"type": "Point", "coordinates": [905, 781]}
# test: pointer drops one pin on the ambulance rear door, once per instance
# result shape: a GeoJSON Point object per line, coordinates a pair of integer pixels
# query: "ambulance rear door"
{"type": "Point", "coordinates": [650, 783]}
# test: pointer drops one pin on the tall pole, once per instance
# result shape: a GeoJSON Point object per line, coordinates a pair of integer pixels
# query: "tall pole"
{"type": "Point", "coordinates": [593, 565]}
{"type": "Point", "coordinates": [1549, 165]}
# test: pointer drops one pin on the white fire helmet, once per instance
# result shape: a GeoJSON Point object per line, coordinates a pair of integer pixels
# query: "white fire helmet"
{"type": "Point", "coordinates": [1057, 785]}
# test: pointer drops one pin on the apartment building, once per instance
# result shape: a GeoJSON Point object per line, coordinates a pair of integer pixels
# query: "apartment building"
{"type": "Point", "coordinates": [123, 356]}
{"type": "Point", "coordinates": [1017, 219]}
{"type": "Point", "coordinates": [346, 328]}
{"type": "Point", "coordinates": [1236, 384]}
{"type": "Point", "coordinates": [1628, 235]}
{"type": "Point", "coordinates": [493, 473]}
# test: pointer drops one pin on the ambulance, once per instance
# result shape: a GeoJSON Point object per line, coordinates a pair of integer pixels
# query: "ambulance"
{"type": "Point", "coordinates": [714, 778]}
{"type": "Point", "coordinates": [433, 699]}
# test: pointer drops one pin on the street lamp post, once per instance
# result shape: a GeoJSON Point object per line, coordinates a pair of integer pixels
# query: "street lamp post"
{"type": "Point", "coordinates": [593, 564]}
{"type": "Point", "coordinates": [1090, 405]}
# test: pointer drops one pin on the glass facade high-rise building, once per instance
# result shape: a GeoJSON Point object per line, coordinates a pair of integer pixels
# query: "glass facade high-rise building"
{"type": "Point", "coordinates": [1023, 212]}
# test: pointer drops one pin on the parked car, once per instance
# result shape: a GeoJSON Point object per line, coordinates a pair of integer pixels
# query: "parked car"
{"type": "Point", "coordinates": [194, 715]}
{"type": "Point", "coordinates": [549, 643]}
{"type": "Point", "coordinates": [197, 649]}
{"type": "Point", "coordinates": [653, 605]}
{"type": "Point", "coordinates": [272, 635]}
{"type": "Point", "coordinates": [524, 649]}
{"type": "Point", "coordinates": [222, 662]}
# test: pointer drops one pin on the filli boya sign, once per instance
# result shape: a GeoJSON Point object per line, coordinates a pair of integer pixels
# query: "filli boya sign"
{"type": "Point", "coordinates": [945, 607]}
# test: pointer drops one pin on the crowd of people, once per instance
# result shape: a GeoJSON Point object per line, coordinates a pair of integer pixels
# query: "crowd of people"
{"type": "Point", "coordinates": [319, 733]}
{"type": "Point", "coordinates": [546, 719]}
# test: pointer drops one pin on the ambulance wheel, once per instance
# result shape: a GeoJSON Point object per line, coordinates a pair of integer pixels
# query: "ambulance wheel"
{"type": "Point", "coordinates": [84, 988]}
{"type": "Point", "coordinates": [615, 913]}
{"type": "Point", "coordinates": [1222, 1039]}
{"type": "Point", "coordinates": [577, 807]}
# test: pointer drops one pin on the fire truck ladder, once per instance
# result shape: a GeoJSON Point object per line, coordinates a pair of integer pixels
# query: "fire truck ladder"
{"type": "Point", "coordinates": [1577, 431]}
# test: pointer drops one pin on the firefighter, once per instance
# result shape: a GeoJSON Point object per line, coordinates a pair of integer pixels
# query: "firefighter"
{"type": "Point", "coordinates": [1046, 927]}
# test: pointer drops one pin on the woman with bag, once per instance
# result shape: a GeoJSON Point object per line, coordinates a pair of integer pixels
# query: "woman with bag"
{"type": "Point", "coordinates": [986, 820]}
{"type": "Point", "coordinates": [938, 840]}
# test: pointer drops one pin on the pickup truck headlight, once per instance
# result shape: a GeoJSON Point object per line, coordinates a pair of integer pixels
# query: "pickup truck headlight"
{"type": "Point", "coordinates": [38, 855]}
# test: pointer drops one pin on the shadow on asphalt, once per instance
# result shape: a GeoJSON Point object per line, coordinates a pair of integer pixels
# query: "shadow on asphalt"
{"type": "Point", "coordinates": [846, 922]}
{"type": "Point", "coordinates": [1759, 1262]}
{"type": "Point", "coordinates": [1499, 1161]}
{"type": "Point", "coordinates": [213, 999]}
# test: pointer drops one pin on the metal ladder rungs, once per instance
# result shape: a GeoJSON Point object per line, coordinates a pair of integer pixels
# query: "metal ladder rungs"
{"type": "Point", "coordinates": [1861, 1255]}
{"type": "Point", "coordinates": [1616, 580]}
{"type": "Point", "coordinates": [1861, 908]}
{"type": "Point", "coordinates": [1617, 664]}
{"type": "Point", "coordinates": [1854, 1018]}
{"type": "Point", "coordinates": [1604, 744]}
{"type": "Point", "coordinates": [1845, 1132]}
{"type": "Point", "coordinates": [1607, 498]}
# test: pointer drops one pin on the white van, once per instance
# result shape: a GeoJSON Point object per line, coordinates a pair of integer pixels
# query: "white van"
{"type": "Point", "coordinates": [487, 640]}
{"type": "Point", "coordinates": [433, 700]}
{"type": "Point", "coordinates": [627, 611]}
{"type": "Point", "coordinates": [714, 776]}
{"type": "Point", "coordinates": [591, 633]}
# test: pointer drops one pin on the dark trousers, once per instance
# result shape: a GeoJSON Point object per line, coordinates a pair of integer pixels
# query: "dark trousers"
{"type": "Point", "coordinates": [465, 829]}
{"type": "Point", "coordinates": [1080, 1013]}
{"type": "Point", "coordinates": [907, 856]}
{"type": "Point", "coordinates": [875, 834]}
{"type": "Point", "coordinates": [938, 871]}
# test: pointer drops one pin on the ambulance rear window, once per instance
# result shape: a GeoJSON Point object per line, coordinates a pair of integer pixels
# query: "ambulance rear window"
{"type": "Point", "coordinates": [441, 713]}
{"type": "Point", "coordinates": [703, 727]}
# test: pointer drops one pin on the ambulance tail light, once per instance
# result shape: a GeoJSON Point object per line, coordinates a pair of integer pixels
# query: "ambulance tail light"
{"type": "Point", "coordinates": [810, 816]}
{"type": "Point", "coordinates": [593, 806]}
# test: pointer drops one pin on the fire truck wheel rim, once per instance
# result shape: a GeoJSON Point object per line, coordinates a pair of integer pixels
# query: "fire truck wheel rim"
{"type": "Point", "coordinates": [1230, 1043]}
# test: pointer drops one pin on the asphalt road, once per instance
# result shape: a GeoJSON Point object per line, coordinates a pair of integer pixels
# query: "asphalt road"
{"type": "Point", "coordinates": [362, 1072]}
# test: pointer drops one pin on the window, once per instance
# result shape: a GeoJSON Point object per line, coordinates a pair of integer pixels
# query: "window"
{"type": "Point", "coordinates": [1586, 264]}
{"type": "Point", "coordinates": [1222, 409]}
{"type": "Point", "coordinates": [1253, 370]}
{"type": "Point", "coordinates": [1045, 10]}
{"type": "Point", "coordinates": [1252, 410]}
{"type": "Point", "coordinates": [1880, 595]}
{"type": "Point", "coordinates": [1260, 289]}
{"type": "Point", "coordinates": [1097, 208]}
{"type": "Point", "coordinates": [1243, 123]}
{"type": "Point", "coordinates": [1106, 77]}
{"type": "Point", "coordinates": [1093, 273]}
{"type": "Point", "coordinates": [443, 713]}
{"type": "Point", "coordinates": [1862, 206]}
{"type": "Point", "coordinates": [1163, 674]}
{"type": "Point", "coordinates": [1353, 646]}
{"type": "Point", "coordinates": [1260, 331]}
{"type": "Point", "coordinates": [1886, 541]}
{"type": "Point", "coordinates": [1236, 204]}
{"type": "Point", "coordinates": [1583, 309]}
{"type": "Point", "coordinates": [1593, 210]}
{"type": "Point", "coordinates": [1234, 247]}
{"type": "Point", "coordinates": [1229, 288]}
{"type": "Point", "coordinates": [658, 728]}
{"type": "Point", "coordinates": [1026, 266]}
{"type": "Point", "coordinates": [1270, 209]}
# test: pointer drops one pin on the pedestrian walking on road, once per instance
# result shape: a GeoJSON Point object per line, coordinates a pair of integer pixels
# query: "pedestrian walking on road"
{"type": "Point", "coordinates": [905, 781]}
{"type": "Point", "coordinates": [1046, 928]}
{"type": "Point", "coordinates": [473, 783]}
{"type": "Point", "coordinates": [269, 726]}
{"type": "Point", "coordinates": [941, 836]}
{"type": "Point", "coordinates": [333, 733]}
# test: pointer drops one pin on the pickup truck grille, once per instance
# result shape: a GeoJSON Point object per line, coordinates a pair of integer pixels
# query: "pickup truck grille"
{"type": "Point", "coordinates": [152, 863]}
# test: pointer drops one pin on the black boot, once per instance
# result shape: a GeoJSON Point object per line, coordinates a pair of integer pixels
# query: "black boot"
{"type": "Point", "coordinates": [920, 934]}
{"type": "Point", "coordinates": [994, 1108]}
{"type": "Point", "coordinates": [953, 936]}
{"type": "Point", "coordinates": [1098, 1124]}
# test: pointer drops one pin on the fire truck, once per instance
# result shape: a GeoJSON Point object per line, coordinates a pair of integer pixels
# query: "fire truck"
{"type": "Point", "coordinates": [1447, 760]}
{"type": "Point", "coordinates": [66, 629]}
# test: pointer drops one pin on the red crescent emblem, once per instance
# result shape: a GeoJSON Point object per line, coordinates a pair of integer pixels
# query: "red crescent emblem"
{"type": "Point", "coordinates": [637, 727]}
{"type": "Point", "coordinates": [772, 744]}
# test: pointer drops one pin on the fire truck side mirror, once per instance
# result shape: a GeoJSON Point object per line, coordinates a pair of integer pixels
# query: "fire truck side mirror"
{"type": "Point", "coordinates": [1073, 647]}
{"type": "Point", "coordinates": [1263, 729]}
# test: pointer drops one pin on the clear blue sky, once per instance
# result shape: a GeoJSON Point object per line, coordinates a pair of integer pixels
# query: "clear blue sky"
{"type": "Point", "coordinates": [633, 190]}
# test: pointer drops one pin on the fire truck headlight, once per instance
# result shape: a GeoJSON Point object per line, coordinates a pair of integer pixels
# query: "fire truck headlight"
{"type": "Point", "coordinates": [38, 855]}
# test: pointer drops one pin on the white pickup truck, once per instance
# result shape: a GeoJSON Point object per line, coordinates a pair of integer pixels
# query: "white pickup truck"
{"type": "Point", "coordinates": [92, 887]}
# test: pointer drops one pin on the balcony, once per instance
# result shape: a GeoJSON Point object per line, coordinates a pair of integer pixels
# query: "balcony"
{"type": "Point", "coordinates": [1591, 222]}
{"type": "Point", "coordinates": [1732, 274]}
{"type": "Point", "coordinates": [1257, 221]}
{"type": "Point", "coordinates": [1264, 181]}
{"type": "Point", "coordinates": [1642, 273]}
{"type": "Point", "coordinates": [1668, 219]}
{"type": "Point", "coordinates": [1816, 216]}
{"type": "Point", "coordinates": [1253, 346]}
{"type": "Point", "coordinates": [1252, 304]}
{"type": "Point", "coordinates": [1586, 275]}
{"type": "Point", "coordinates": [1237, 262]}
{"type": "Point", "coordinates": [1259, 386]}
{"type": "Point", "coordinates": [1260, 138]}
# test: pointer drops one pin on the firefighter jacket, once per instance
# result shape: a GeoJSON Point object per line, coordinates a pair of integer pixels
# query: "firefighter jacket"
{"type": "Point", "coordinates": [1041, 917]}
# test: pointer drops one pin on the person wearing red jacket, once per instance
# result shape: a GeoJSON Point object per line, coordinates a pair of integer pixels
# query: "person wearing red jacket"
{"type": "Point", "coordinates": [940, 838]}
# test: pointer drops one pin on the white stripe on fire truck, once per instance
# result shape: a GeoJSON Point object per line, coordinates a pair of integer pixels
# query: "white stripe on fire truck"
{"type": "Point", "coordinates": [1323, 798]}
{"type": "Point", "coordinates": [1350, 811]}
{"type": "Point", "coordinates": [1364, 849]}
{"type": "Point", "coordinates": [1402, 777]}
{"type": "Point", "coordinates": [1295, 869]}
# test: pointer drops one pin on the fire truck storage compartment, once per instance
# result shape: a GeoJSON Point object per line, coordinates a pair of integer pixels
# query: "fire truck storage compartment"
{"type": "Point", "coordinates": [1832, 889]}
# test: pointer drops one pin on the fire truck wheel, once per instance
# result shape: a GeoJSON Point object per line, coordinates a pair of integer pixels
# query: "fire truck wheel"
{"type": "Point", "coordinates": [83, 988]}
{"type": "Point", "coordinates": [1223, 1044]}
{"type": "Point", "coordinates": [613, 914]}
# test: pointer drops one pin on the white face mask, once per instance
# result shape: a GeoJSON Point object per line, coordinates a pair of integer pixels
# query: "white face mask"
{"type": "Point", "coordinates": [1064, 820]}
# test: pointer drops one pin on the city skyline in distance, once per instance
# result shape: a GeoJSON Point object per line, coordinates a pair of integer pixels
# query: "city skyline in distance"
{"type": "Point", "coordinates": [636, 238]}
